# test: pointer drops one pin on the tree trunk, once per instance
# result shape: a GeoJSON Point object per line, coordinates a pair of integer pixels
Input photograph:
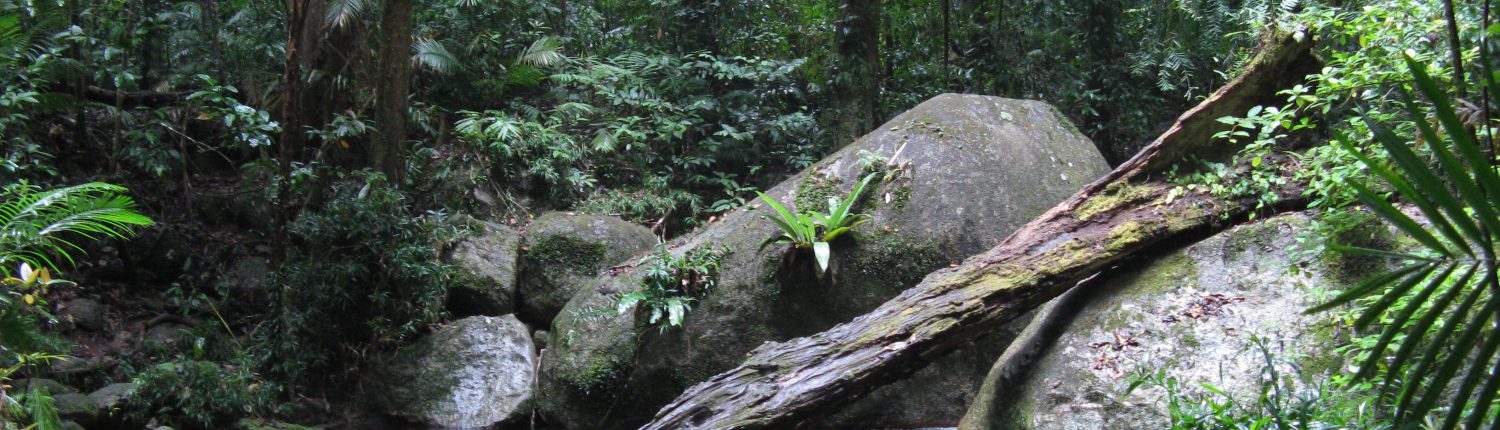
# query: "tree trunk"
{"type": "Point", "coordinates": [291, 124]}
{"type": "Point", "coordinates": [387, 151]}
{"type": "Point", "coordinates": [1125, 213]}
{"type": "Point", "coordinates": [857, 81]}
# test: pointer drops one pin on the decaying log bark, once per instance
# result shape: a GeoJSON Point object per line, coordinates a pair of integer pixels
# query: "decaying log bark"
{"type": "Point", "coordinates": [1125, 213]}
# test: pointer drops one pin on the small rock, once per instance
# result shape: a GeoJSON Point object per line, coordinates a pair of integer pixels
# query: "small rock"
{"type": "Point", "coordinates": [111, 395]}
{"type": "Point", "coordinates": [69, 425]}
{"type": "Point", "coordinates": [76, 407]}
{"type": "Point", "coordinates": [77, 365]}
{"type": "Point", "coordinates": [475, 373]}
{"type": "Point", "coordinates": [563, 253]}
{"type": "Point", "coordinates": [169, 333]}
{"type": "Point", "coordinates": [86, 314]}
{"type": "Point", "coordinates": [247, 275]}
{"type": "Point", "coordinates": [541, 338]}
{"type": "Point", "coordinates": [50, 386]}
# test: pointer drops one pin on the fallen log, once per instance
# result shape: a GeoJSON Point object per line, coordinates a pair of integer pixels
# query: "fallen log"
{"type": "Point", "coordinates": [150, 99]}
{"type": "Point", "coordinates": [1125, 213]}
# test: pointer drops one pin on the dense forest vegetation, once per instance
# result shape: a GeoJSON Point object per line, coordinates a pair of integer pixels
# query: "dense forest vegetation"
{"type": "Point", "coordinates": [239, 207]}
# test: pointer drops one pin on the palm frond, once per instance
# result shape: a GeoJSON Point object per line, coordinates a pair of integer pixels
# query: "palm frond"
{"type": "Point", "coordinates": [544, 52]}
{"type": "Point", "coordinates": [342, 12]}
{"type": "Point", "coordinates": [435, 57]}
{"type": "Point", "coordinates": [1419, 303]}
{"type": "Point", "coordinates": [36, 224]}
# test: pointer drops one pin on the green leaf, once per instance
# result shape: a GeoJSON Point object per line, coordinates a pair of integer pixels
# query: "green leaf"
{"type": "Point", "coordinates": [821, 252]}
{"type": "Point", "coordinates": [1373, 311]}
{"type": "Point", "coordinates": [1479, 165]}
{"type": "Point", "coordinates": [1424, 325]}
{"type": "Point", "coordinates": [1377, 352]}
{"type": "Point", "coordinates": [1477, 325]}
{"type": "Point", "coordinates": [1418, 170]}
{"type": "Point", "coordinates": [1399, 219]}
{"type": "Point", "coordinates": [43, 411]}
{"type": "Point", "coordinates": [1367, 286]}
{"type": "Point", "coordinates": [1477, 369]}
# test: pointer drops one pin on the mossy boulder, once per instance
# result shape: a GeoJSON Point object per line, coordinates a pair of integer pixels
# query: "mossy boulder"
{"type": "Point", "coordinates": [486, 262]}
{"type": "Point", "coordinates": [956, 175]}
{"type": "Point", "coordinates": [50, 386]}
{"type": "Point", "coordinates": [564, 252]}
{"type": "Point", "coordinates": [82, 313]}
{"type": "Point", "coordinates": [76, 407]}
{"type": "Point", "coordinates": [110, 396]}
{"type": "Point", "coordinates": [475, 373]}
{"type": "Point", "coordinates": [1193, 314]}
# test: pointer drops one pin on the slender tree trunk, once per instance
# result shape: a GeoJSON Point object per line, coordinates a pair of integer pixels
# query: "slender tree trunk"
{"type": "Point", "coordinates": [210, 16]}
{"type": "Point", "coordinates": [1455, 49]}
{"type": "Point", "coordinates": [388, 150]}
{"type": "Point", "coordinates": [857, 81]}
{"type": "Point", "coordinates": [291, 124]}
{"type": "Point", "coordinates": [782, 385]}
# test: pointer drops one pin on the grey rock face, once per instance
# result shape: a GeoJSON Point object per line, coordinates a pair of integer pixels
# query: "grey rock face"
{"type": "Point", "coordinates": [76, 407]}
{"type": "Point", "coordinates": [964, 172]}
{"type": "Point", "coordinates": [1192, 314]}
{"type": "Point", "coordinates": [83, 313]}
{"type": "Point", "coordinates": [48, 385]}
{"type": "Point", "coordinates": [473, 374]}
{"type": "Point", "coordinates": [111, 395]}
{"type": "Point", "coordinates": [248, 275]}
{"type": "Point", "coordinates": [487, 272]}
{"type": "Point", "coordinates": [563, 253]}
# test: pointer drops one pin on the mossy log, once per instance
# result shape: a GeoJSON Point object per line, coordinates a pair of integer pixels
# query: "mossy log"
{"type": "Point", "coordinates": [1125, 213]}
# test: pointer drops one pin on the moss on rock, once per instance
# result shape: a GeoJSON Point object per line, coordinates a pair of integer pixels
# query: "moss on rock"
{"type": "Point", "coordinates": [815, 190]}
{"type": "Point", "coordinates": [567, 253]}
{"type": "Point", "coordinates": [564, 251]}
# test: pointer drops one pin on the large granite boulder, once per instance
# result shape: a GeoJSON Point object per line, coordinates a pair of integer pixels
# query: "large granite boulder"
{"type": "Point", "coordinates": [958, 174]}
{"type": "Point", "coordinates": [1193, 314]}
{"type": "Point", "coordinates": [563, 253]}
{"type": "Point", "coordinates": [486, 261]}
{"type": "Point", "coordinates": [475, 373]}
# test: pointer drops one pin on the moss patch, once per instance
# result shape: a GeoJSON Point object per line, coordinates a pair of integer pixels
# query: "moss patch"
{"type": "Point", "coordinates": [813, 192]}
{"type": "Point", "coordinates": [601, 374]}
{"type": "Point", "coordinates": [1064, 121]}
{"type": "Point", "coordinates": [567, 253]}
{"type": "Point", "coordinates": [897, 259]}
{"type": "Point", "coordinates": [1114, 195]}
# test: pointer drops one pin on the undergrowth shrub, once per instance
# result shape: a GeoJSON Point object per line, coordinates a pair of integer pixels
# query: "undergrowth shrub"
{"type": "Point", "coordinates": [191, 393]}
{"type": "Point", "coordinates": [361, 273]}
